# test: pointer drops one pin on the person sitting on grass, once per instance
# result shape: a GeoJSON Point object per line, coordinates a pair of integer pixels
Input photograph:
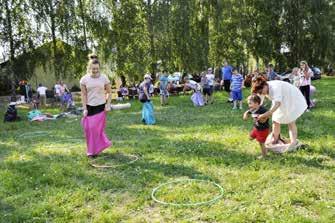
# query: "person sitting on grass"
{"type": "Point", "coordinates": [261, 129]}
{"type": "Point", "coordinates": [236, 88]}
{"type": "Point", "coordinates": [11, 113]}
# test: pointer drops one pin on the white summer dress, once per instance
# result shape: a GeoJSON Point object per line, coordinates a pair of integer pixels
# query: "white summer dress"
{"type": "Point", "coordinates": [293, 104]}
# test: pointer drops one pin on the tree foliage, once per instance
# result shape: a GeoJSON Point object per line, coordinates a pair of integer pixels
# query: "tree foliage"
{"type": "Point", "coordinates": [132, 36]}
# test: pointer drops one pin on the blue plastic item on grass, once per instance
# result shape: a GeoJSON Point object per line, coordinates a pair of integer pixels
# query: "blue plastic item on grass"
{"type": "Point", "coordinates": [148, 113]}
{"type": "Point", "coordinates": [32, 114]}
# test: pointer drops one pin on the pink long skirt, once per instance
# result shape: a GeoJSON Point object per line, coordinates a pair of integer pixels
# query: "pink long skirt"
{"type": "Point", "coordinates": [94, 129]}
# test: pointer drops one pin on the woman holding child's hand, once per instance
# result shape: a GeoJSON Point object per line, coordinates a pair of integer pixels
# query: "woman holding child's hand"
{"type": "Point", "coordinates": [288, 104]}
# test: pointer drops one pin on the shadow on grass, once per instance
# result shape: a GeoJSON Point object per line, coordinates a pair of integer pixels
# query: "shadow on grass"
{"type": "Point", "coordinates": [6, 210]}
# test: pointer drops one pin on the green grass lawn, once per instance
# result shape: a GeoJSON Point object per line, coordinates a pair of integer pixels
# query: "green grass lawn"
{"type": "Point", "coordinates": [48, 178]}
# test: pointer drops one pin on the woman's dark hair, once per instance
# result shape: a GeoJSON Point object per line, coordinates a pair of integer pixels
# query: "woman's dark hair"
{"type": "Point", "coordinates": [258, 84]}
{"type": "Point", "coordinates": [92, 56]}
{"type": "Point", "coordinates": [90, 62]}
{"type": "Point", "coordinates": [255, 98]}
{"type": "Point", "coordinates": [95, 61]}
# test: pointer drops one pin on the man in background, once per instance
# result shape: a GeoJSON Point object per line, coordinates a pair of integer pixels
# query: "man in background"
{"type": "Point", "coordinates": [41, 90]}
{"type": "Point", "coordinates": [227, 73]}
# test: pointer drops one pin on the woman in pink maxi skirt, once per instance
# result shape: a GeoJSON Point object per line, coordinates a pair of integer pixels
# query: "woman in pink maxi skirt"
{"type": "Point", "coordinates": [96, 99]}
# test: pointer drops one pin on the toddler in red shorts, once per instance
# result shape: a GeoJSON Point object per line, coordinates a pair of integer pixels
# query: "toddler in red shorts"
{"type": "Point", "coordinates": [261, 129]}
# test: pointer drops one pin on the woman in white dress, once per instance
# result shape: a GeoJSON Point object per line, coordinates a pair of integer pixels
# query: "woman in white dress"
{"type": "Point", "coordinates": [288, 104]}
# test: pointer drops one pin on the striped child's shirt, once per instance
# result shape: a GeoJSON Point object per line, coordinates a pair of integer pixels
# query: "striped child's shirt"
{"type": "Point", "coordinates": [236, 82]}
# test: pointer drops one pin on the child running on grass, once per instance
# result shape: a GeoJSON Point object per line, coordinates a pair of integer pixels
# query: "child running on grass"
{"type": "Point", "coordinates": [260, 130]}
{"type": "Point", "coordinates": [236, 88]}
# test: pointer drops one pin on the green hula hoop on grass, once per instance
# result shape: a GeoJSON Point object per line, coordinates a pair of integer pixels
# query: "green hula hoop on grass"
{"type": "Point", "coordinates": [33, 134]}
{"type": "Point", "coordinates": [72, 120]}
{"type": "Point", "coordinates": [187, 204]}
{"type": "Point", "coordinates": [93, 164]}
{"type": "Point", "coordinates": [67, 141]}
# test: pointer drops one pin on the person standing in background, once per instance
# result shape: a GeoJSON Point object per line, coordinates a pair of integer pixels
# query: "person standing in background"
{"type": "Point", "coordinates": [236, 88]}
{"type": "Point", "coordinates": [227, 73]}
{"type": "Point", "coordinates": [148, 116]}
{"type": "Point", "coordinates": [41, 90]}
{"type": "Point", "coordinates": [57, 92]}
{"type": "Point", "coordinates": [305, 74]}
{"type": "Point", "coordinates": [62, 89]}
{"type": "Point", "coordinates": [163, 87]}
{"type": "Point", "coordinates": [271, 74]}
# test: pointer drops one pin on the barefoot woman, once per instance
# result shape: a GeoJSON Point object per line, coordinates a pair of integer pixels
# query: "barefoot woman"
{"type": "Point", "coordinates": [288, 104]}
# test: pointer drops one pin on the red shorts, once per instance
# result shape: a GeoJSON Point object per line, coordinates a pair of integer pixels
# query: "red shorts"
{"type": "Point", "coordinates": [259, 135]}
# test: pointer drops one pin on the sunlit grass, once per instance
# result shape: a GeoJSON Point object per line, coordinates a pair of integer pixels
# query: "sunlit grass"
{"type": "Point", "coordinates": [47, 178]}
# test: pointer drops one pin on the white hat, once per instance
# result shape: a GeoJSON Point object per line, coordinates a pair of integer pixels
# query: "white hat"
{"type": "Point", "coordinates": [147, 76]}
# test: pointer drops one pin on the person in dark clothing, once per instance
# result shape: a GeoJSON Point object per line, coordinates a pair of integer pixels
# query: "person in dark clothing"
{"type": "Point", "coordinates": [261, 129]}
{"type": "Point", "coordinates": [11, 113]}
{"type": "Point", "coordinates": [227, 73]}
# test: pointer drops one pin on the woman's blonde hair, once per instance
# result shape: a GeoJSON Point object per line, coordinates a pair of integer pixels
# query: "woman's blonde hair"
{"type": "Point", "coordinates": [306, 64]}
{"type": "Point", "coordinates": [295, 69]}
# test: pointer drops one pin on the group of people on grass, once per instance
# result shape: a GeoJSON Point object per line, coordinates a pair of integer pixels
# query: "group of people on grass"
{"type": "Point", "coordinates": [61, 92]}
{"type": "Point", "coordinates": [288, 102]}
{"type": "Point", "coordinates": [38, 100]}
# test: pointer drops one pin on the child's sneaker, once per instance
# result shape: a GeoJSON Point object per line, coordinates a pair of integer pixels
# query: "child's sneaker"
{"type": "Point", "coordinates": [234, 108]}
{"type": "Point", "coordinates": [241, 108]}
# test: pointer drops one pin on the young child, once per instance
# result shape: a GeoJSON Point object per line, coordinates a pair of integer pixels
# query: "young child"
{"type": "Point", "coordinates": [236, 88]}
{"type": "Point", "coordinates": [69, 103]}
{"type": "Point", "coordinates": [295, 77]}
{"type": "Point", "coordinates": [163, 87]}
{"type": "Point", "coordinates": [207, 82]}
{"type": "Point", "coordinates": [124, 92]}
{"type": "Point", "coordinates": [196, 97]}
{"type": "Point", "coordinates": [260, 130]}
{"type": "Point", "coordinates": [35, 102]}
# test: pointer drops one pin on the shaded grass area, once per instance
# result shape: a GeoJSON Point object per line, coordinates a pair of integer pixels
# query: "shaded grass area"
{"type": "Point", "coordinates": [49, 179]}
